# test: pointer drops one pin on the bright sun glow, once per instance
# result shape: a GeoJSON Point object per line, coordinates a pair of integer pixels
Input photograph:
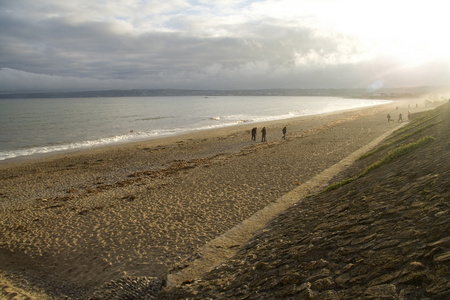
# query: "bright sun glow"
{"type": "Point", "coordinates": [410, 30]}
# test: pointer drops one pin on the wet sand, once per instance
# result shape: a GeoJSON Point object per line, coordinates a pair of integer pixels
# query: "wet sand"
{"type": "Point", "coordinates": [70, 222]}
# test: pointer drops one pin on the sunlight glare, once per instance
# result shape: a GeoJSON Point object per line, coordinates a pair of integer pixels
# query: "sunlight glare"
{"type": "Point", "coordinates": [409, 30]}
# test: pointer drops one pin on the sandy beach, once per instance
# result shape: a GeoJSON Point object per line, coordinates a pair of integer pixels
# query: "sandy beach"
{"type": "Point", "coordinates": [380, 231]}
{"type": "Point", "coordinates": [72, 221]}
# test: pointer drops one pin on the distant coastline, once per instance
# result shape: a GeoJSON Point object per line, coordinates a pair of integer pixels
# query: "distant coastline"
{"type": "Point", "coordinates": [387, 93]}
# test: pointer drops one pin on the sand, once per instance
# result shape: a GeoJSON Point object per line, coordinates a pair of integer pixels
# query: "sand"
{"type": "Point", "coordinates": [384, 235]}
{"type": "Point", "coordinates": [72, 221]}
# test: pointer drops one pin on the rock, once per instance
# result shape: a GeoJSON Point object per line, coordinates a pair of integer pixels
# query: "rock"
{"type": "Point", "coordinates": [439, 286]}
{"type": "Point", "coordinates": [414, 266]}
{"type": "Point", "coordinates": [442, 257]}
{"type": "Point", "coordinates": [129, 288]}
{"type": "Point", "coordinates": [327, 295]}
{"type": "Point", "coordinates": [415, 278]}
{"type": "Point", "coordinates": [306, 294]}
{"type": "Point", "coordinates": [323, 284]}
{"type": "Point", "coordinates": [313, 265]}
{"type": "Point", "coordinates": [384, 279]}
{"type": "Point", "coordinates": [292, 278]}
{"type": "Point", "coordinates": [319, 274]}
{"type": "Point", "coordinates": [343, 280]}
{"type": "Point", "coordinates": [384, 291]}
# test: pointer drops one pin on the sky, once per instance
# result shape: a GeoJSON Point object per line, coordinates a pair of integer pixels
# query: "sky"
{"type": "Point", "coordinates": [54, 45]}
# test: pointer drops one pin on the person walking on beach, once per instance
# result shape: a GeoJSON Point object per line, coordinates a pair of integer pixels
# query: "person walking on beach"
{"type": "Point", "coordinates": [254, 134]}
{"type": "Point", "coordinates": [400, 118]}
{"type": "Point", "coordinates": [389, 118]}
{"type": "Point", "coordinates": [263, 132]}
{"type": "Point", "coordinates": [284, 133]}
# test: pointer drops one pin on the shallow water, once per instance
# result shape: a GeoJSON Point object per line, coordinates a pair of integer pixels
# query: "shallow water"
{"type": "Point", "coordinates": [33, 126]}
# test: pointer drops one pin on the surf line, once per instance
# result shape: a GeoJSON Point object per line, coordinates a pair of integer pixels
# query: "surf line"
{"type": "Point", "coordinates": [226, 245]}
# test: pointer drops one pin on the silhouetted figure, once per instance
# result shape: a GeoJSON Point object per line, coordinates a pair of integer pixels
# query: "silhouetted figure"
{"type": "Point", "coordinates": [400, 119]}
{"type": "Point", "coordinates": [389, 118]}
{"type": "Point", "coordinates": [254, 134]}
{"type": "Point", "coordinates": [263, 132]}
{"type": "Point", "coordinates": [284, 133]}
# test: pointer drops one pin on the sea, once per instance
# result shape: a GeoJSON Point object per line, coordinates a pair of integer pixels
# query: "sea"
{"type": "Point", "coordinates": [38, 126]}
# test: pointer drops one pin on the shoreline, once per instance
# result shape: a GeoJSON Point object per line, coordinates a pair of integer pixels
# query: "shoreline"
{"type": "Point", "coordinates": [169, 139]}
{"type": "Point", "coordinates": [142, 209]}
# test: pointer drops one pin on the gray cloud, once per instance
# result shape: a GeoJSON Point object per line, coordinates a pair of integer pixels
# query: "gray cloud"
{"type": "Point", "coordinates": [47, 45]}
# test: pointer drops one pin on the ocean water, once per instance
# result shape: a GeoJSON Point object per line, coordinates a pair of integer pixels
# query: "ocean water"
{"type": "Point", "coordinates": [36, 126]}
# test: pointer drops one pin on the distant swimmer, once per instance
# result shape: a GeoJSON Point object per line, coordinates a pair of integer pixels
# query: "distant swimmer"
{"type": "Point", "coordinates": [284, 133]}
{"type": "Point", "coordinates": [263, 132]}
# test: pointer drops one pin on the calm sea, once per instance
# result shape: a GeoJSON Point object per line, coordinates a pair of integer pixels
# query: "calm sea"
{"type": "Point", "coordinates": [33, 126]}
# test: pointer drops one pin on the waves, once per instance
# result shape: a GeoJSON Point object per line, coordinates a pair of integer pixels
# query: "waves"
{"type": "Point", "coordinates": [132, 136]}
{"type": "Point", "coordinates": [87, 123]}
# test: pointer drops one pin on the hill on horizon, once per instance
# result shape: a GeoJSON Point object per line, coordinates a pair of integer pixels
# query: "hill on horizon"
{"type": "Point", "coordinates": [390, 93]}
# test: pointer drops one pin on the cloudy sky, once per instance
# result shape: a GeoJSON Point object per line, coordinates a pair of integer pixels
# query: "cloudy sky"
{"type": "Point", "coordinates": [225, 44]}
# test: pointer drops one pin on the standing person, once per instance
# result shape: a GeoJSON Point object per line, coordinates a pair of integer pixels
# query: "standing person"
{"type": "Point", "coordinates": [254, 134]}
{"type": "Point", "coordinates": [263, 132]}
{"type": "Point", "coordinates": [400, 118]}
{"type": "Point", "coordinates": [389, 118]}
{"type": "Point", "coordinates": [284, 133]}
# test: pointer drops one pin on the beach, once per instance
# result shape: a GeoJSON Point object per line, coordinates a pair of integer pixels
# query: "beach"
{"type": "Point", "coordinates": [379, 231]}
{"type": "Point", "coordinates": [73, 221]}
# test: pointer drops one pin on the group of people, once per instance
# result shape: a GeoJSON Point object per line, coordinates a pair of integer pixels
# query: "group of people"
{"type": "Point", "coordinates": [264, 132]}
{"type": "Point", "coordinates": [400, 117]}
